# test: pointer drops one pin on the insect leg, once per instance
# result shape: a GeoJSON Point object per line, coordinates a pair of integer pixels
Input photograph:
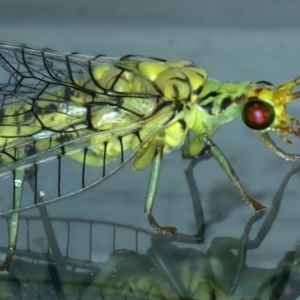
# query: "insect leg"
{"type": "Point", "coordinates": [115, 262]}
{"type": "Point", "coordinates": [270, 144]}
{"type": "Point", "coordinates": [223, 161]}
{"type": "Point", "coordinates": [14, 219]}
{"type": "Point", "coordinates": [288, 267]}
{"type": "Point", "coordinates": [31, 177]}
{"type": "Point", "coordinates": [185, 147]}
{"type": "Point", "coordinates": [196, 200]}
{"type": "Point", "coordinates": [154, 177]}
{"type": "Point", "coordinates": [162, 255]}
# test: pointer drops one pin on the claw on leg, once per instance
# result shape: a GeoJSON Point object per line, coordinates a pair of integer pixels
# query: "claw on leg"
{"type": "Point", "coordinates": [161, 229]}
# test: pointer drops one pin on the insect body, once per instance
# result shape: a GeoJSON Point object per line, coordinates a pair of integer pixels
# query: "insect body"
{"type": "Point", "coordinates": [94, 109]}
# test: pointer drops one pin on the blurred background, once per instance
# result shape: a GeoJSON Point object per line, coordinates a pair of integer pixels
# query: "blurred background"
{"type": "Point", "coordinates": [233, 41]}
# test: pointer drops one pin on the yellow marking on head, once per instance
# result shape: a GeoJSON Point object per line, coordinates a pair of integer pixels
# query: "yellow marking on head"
{"type": "Point", "coordinates": [279, 97]}
{"type": "Point", "coordinates": [284, 94]}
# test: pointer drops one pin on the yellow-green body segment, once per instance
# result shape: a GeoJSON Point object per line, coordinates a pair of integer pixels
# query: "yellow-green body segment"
{"type": "Point", "coordinates": [162, 99]}
{"type": "Point", "coordinates": [95, 109]}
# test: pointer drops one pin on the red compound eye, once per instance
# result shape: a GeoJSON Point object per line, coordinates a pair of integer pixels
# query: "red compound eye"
{"type": "Point", "coordinates": [258, 114]}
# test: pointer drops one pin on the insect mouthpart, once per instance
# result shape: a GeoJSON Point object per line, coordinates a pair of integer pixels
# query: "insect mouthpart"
{"type": "Point", "coordinates": [284, 94]}
{"type": "Point", "coordinates": [266, 108]}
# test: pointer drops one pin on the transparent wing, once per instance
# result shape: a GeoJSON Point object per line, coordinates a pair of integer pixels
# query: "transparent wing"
{"type": "Point", "coordinates": [57, 106]}
{"type": "Point", "coordinates": [33, 71]}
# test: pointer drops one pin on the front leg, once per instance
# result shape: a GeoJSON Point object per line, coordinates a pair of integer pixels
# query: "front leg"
{"type": "Point", "coordinates": [14, 218]}
{"type": "Point", "coordinates": [270, 144]}
{"type": "Point", "coordinates": [223, 161]}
